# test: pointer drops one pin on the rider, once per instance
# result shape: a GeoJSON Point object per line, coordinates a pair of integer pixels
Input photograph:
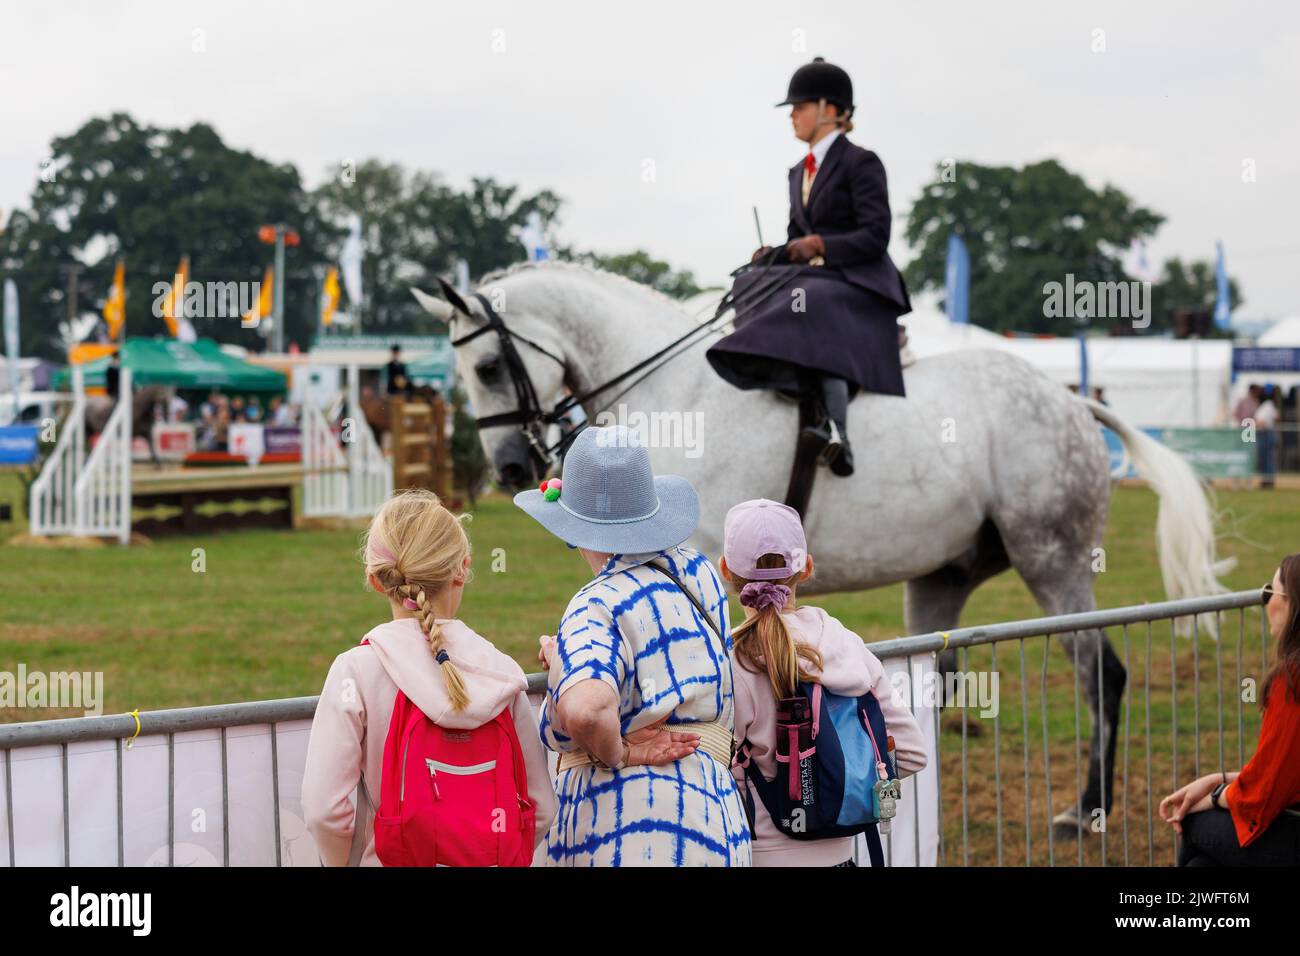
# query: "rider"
{"type": "Point", "coordinates": [831, 328]}
{"type": "Point", "coordinates": [398, 381]}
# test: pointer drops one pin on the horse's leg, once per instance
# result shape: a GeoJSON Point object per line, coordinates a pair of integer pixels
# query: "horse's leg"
{"type": "Point", "coordinates": [1061, 580]}
{"type": "Point", "coordinates": [934, 601]}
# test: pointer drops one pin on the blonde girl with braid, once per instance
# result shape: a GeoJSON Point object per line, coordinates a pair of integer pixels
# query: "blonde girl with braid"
{"type": "Point", "coordinates": [417, 555]}
{"type": "Point", "coordinates": [782, 643]}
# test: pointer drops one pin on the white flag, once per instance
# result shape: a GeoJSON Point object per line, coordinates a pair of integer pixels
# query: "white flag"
{"type": "Point", "coordinates": [1136, 264]}
{"type": "Point", "coordinates": [350, 261]}
{"type": "Point", "coordinates": [533, 238]}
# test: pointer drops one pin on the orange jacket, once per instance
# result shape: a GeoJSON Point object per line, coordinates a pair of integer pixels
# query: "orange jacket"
{"type": "Point", "coordinates": [1270, 781]}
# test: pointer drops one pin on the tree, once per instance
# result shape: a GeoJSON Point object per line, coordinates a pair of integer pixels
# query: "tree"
{"type": "Point", "coordinates": [641, 267]}
{"type": "Point", "coordinates": [416, 228]}
{"type": "Point", "coordinates": [116, 188]}
{"type": "Point", "coordinates": [1191, 285]}
{"type": "Point", "coordinates": [1024, 228]}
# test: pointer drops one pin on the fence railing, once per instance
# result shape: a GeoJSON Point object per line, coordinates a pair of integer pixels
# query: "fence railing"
{"type": "Point", "coordinates": [993, 778]}
{"type": "Point", "coordinates": [1164, 747]}
{"type": "Point", "coordinates": [370, 473]}
{"type": "Point", "coordinates": [103, 489]}
{"type": "Point", "coordinates": [325, 475]}
{"type": "Point", "coordinates": [53, 493]}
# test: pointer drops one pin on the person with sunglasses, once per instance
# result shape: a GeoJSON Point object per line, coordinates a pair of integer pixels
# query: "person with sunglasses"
{"type": "Point", "coordinates": [1252, 817]}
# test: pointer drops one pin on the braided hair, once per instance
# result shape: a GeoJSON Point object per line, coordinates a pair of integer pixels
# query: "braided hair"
{"type": "Point", "coordinates": [414, 548]}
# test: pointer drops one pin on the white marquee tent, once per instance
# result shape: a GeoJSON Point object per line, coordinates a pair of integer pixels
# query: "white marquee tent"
{"type": "Point", "coordinates": [1152, 382]}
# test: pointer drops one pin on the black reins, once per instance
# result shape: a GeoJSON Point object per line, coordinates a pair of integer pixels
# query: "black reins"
{"type": "Point", "coordinates": [529, 414]}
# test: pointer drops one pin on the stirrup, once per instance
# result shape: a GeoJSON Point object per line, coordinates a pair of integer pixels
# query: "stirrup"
{"type": "Point", "coordinates": [831, 449]}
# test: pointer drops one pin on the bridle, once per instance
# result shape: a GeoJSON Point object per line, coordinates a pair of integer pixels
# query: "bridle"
{"type": "Point", "coordinates": [529, 414]}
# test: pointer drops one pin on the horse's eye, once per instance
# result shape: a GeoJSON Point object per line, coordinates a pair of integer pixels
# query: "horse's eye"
{"type": "Point", "coordinates": [488, 370]}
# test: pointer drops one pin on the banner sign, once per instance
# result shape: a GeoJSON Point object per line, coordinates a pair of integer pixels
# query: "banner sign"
{"type": "Point", "coordinates": [18, 444]}
{"type": "Point", "coordinates": [246, 438]}
{"type": "Point", "coordinates": [282, 441]}
{"type": "Point", "coordinates": [173, 440]}
{"type": "Point", "coordinates": [1265, 360]}
{"type": "Point", "coordinates": [1212, 452]}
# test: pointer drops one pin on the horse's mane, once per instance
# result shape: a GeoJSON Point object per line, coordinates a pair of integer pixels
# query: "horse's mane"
{"type": "Point", "coordinates": [580, 268]}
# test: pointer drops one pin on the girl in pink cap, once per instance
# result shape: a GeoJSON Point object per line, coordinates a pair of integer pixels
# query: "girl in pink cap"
{"type": "Point", "coordinates": [779, 644]}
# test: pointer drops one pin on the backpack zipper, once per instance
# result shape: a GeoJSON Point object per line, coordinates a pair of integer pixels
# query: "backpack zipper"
{"type": "Point", "coordinates": [406, 747]}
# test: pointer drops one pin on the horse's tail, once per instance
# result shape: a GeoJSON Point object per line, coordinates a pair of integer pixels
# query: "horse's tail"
{"type": "Point", "coordinates": [1185, 521]}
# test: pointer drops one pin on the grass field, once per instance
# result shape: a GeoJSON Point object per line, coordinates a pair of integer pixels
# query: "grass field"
{"type": "Point", "coordinates": [272, 609]}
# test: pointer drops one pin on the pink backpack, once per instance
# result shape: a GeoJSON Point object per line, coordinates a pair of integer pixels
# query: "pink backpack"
{"type": "Point", "coordinates": [453, 797]}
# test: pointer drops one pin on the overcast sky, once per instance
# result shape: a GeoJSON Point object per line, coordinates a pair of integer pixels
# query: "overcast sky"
{"type": "Point", "coordinates": [583, 97]}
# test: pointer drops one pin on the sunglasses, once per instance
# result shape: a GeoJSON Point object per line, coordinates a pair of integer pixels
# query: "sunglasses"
{"type": "Point", "coordinates": [1268, 592]}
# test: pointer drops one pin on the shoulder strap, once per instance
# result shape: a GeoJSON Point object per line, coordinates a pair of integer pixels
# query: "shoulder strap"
{"type": "Point", "coordinates": [708, 619]}
{"type": "Point", "coordinates": [505, 722]}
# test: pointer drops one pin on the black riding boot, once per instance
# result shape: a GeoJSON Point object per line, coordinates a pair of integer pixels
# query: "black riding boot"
{"type": "Point", "coordinates": [828, 437]}
{"type": "Point", "coordinates": [835, 395]}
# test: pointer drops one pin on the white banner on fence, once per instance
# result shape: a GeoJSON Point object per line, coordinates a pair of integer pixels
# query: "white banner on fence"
{"type": "Point", "coordinates": [197, 810]}
{"type": "Point", "coordinates": [202, 827]}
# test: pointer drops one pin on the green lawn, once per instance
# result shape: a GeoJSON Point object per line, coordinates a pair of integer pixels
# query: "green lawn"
{"type": "Point", "coordinates": [272, 609]}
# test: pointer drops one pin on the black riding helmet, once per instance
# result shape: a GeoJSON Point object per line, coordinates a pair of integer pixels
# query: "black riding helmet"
{"type": "Point", "coordinates": [820, 80]}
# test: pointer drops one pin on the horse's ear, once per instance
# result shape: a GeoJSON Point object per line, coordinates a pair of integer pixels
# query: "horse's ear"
{"type": "Point", "coordinates": [452, 296]}
{"type": "Point", "coordinates": [433, 305]}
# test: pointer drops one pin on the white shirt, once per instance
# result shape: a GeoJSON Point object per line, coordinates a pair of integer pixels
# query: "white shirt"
{"type": "Point", "coordinates": [1266, 414]}
{"type": "Point", "coordinates": [823, 146]}
{"type": "Point", "coordinates": [819, 155]}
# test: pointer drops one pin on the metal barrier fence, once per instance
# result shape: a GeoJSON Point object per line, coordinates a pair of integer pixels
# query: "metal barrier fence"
{"type": "Point", "coordinates": [986, 839]}
{"type": "Point", "coordinates": [981, 825]}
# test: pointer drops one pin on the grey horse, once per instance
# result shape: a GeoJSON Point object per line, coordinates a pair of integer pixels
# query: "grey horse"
{"type": "Point", "coordinates": [985, 465]}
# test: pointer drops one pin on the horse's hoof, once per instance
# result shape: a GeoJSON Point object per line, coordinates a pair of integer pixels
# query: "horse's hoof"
{"type": "Point", "coordinates": [1066, 825]}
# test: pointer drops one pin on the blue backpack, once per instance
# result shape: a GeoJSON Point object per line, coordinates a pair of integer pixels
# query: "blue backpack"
{"type": "Point", "coordinates": [834, 774]}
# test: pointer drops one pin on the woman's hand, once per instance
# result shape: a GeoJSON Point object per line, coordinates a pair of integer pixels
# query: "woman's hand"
{"type": "Point", "coordinates": [656, 745]}
{"type": "Point", "coordinates": [1190, 798]}
{"type": "Point", "coordinates": [546, 650]}
{"type": "Point", "coordinates": [805, 249]}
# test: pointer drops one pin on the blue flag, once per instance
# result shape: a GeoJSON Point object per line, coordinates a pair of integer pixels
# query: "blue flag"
{"type": "Point", "coordinates": [1222, 305]}
{"type": "Point", "coordinates": [957, 291]}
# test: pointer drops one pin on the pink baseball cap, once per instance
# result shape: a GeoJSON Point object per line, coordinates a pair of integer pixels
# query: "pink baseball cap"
{"type": "Point", "coordinates": [755, 528]}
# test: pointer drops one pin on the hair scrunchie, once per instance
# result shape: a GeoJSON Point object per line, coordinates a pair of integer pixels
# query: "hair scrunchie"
{"type": "Point", "coordinates": [761, 594]}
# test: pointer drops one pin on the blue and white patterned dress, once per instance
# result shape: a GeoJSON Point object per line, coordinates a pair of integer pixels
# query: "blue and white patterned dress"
{"type": "Point", "coordinates": [632, 628]}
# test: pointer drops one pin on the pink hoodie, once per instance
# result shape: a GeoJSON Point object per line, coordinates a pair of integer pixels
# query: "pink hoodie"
{"type": "Point", "coordinates": [356, 705]}
{"type": "Point", "coordinates": [849, 669]}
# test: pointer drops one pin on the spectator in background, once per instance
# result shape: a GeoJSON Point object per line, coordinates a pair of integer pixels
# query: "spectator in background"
{"type": "Point", "coordinates": [237, 409]}
{"type": "Point", "coordinates": [1288, 442]}
{"type": "Point", "coordinates": [177, 408]}
{"type": "Point", "coordinates": [1266, 416]}
{"type": "Point", "coordinates": [398, 382]}
{"type": "Point", "coordinates": [253, 412]}
{"type": "Point", "coordinates": [113, 376]}
{"type": "Point", "coordinates": [222, 422]}
{"type": "Point", "coordinates": [1246, 405]}
{"type": "Point", "coordinates": [280, 414]}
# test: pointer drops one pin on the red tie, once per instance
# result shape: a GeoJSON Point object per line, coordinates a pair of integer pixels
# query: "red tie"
{"type": "Point", "coordinates": [810, 164]}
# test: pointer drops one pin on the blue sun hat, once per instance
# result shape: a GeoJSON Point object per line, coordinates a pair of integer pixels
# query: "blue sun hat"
{"type": "Point", "coordinates": [609, 499]}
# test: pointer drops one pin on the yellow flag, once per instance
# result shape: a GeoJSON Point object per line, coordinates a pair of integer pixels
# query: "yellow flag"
{"type": "Point", "coordinates": [330, 297]}
{"type": "Point", "coordinates": [115, 304]}
{"type": "Point", "coordinates": [174, 303]}
{"type": "Point", "coordinates": [265, 299]}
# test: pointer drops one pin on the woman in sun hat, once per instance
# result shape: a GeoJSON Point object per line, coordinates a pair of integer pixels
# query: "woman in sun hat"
{"type": "Point", "coordinates": [639, 699]}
